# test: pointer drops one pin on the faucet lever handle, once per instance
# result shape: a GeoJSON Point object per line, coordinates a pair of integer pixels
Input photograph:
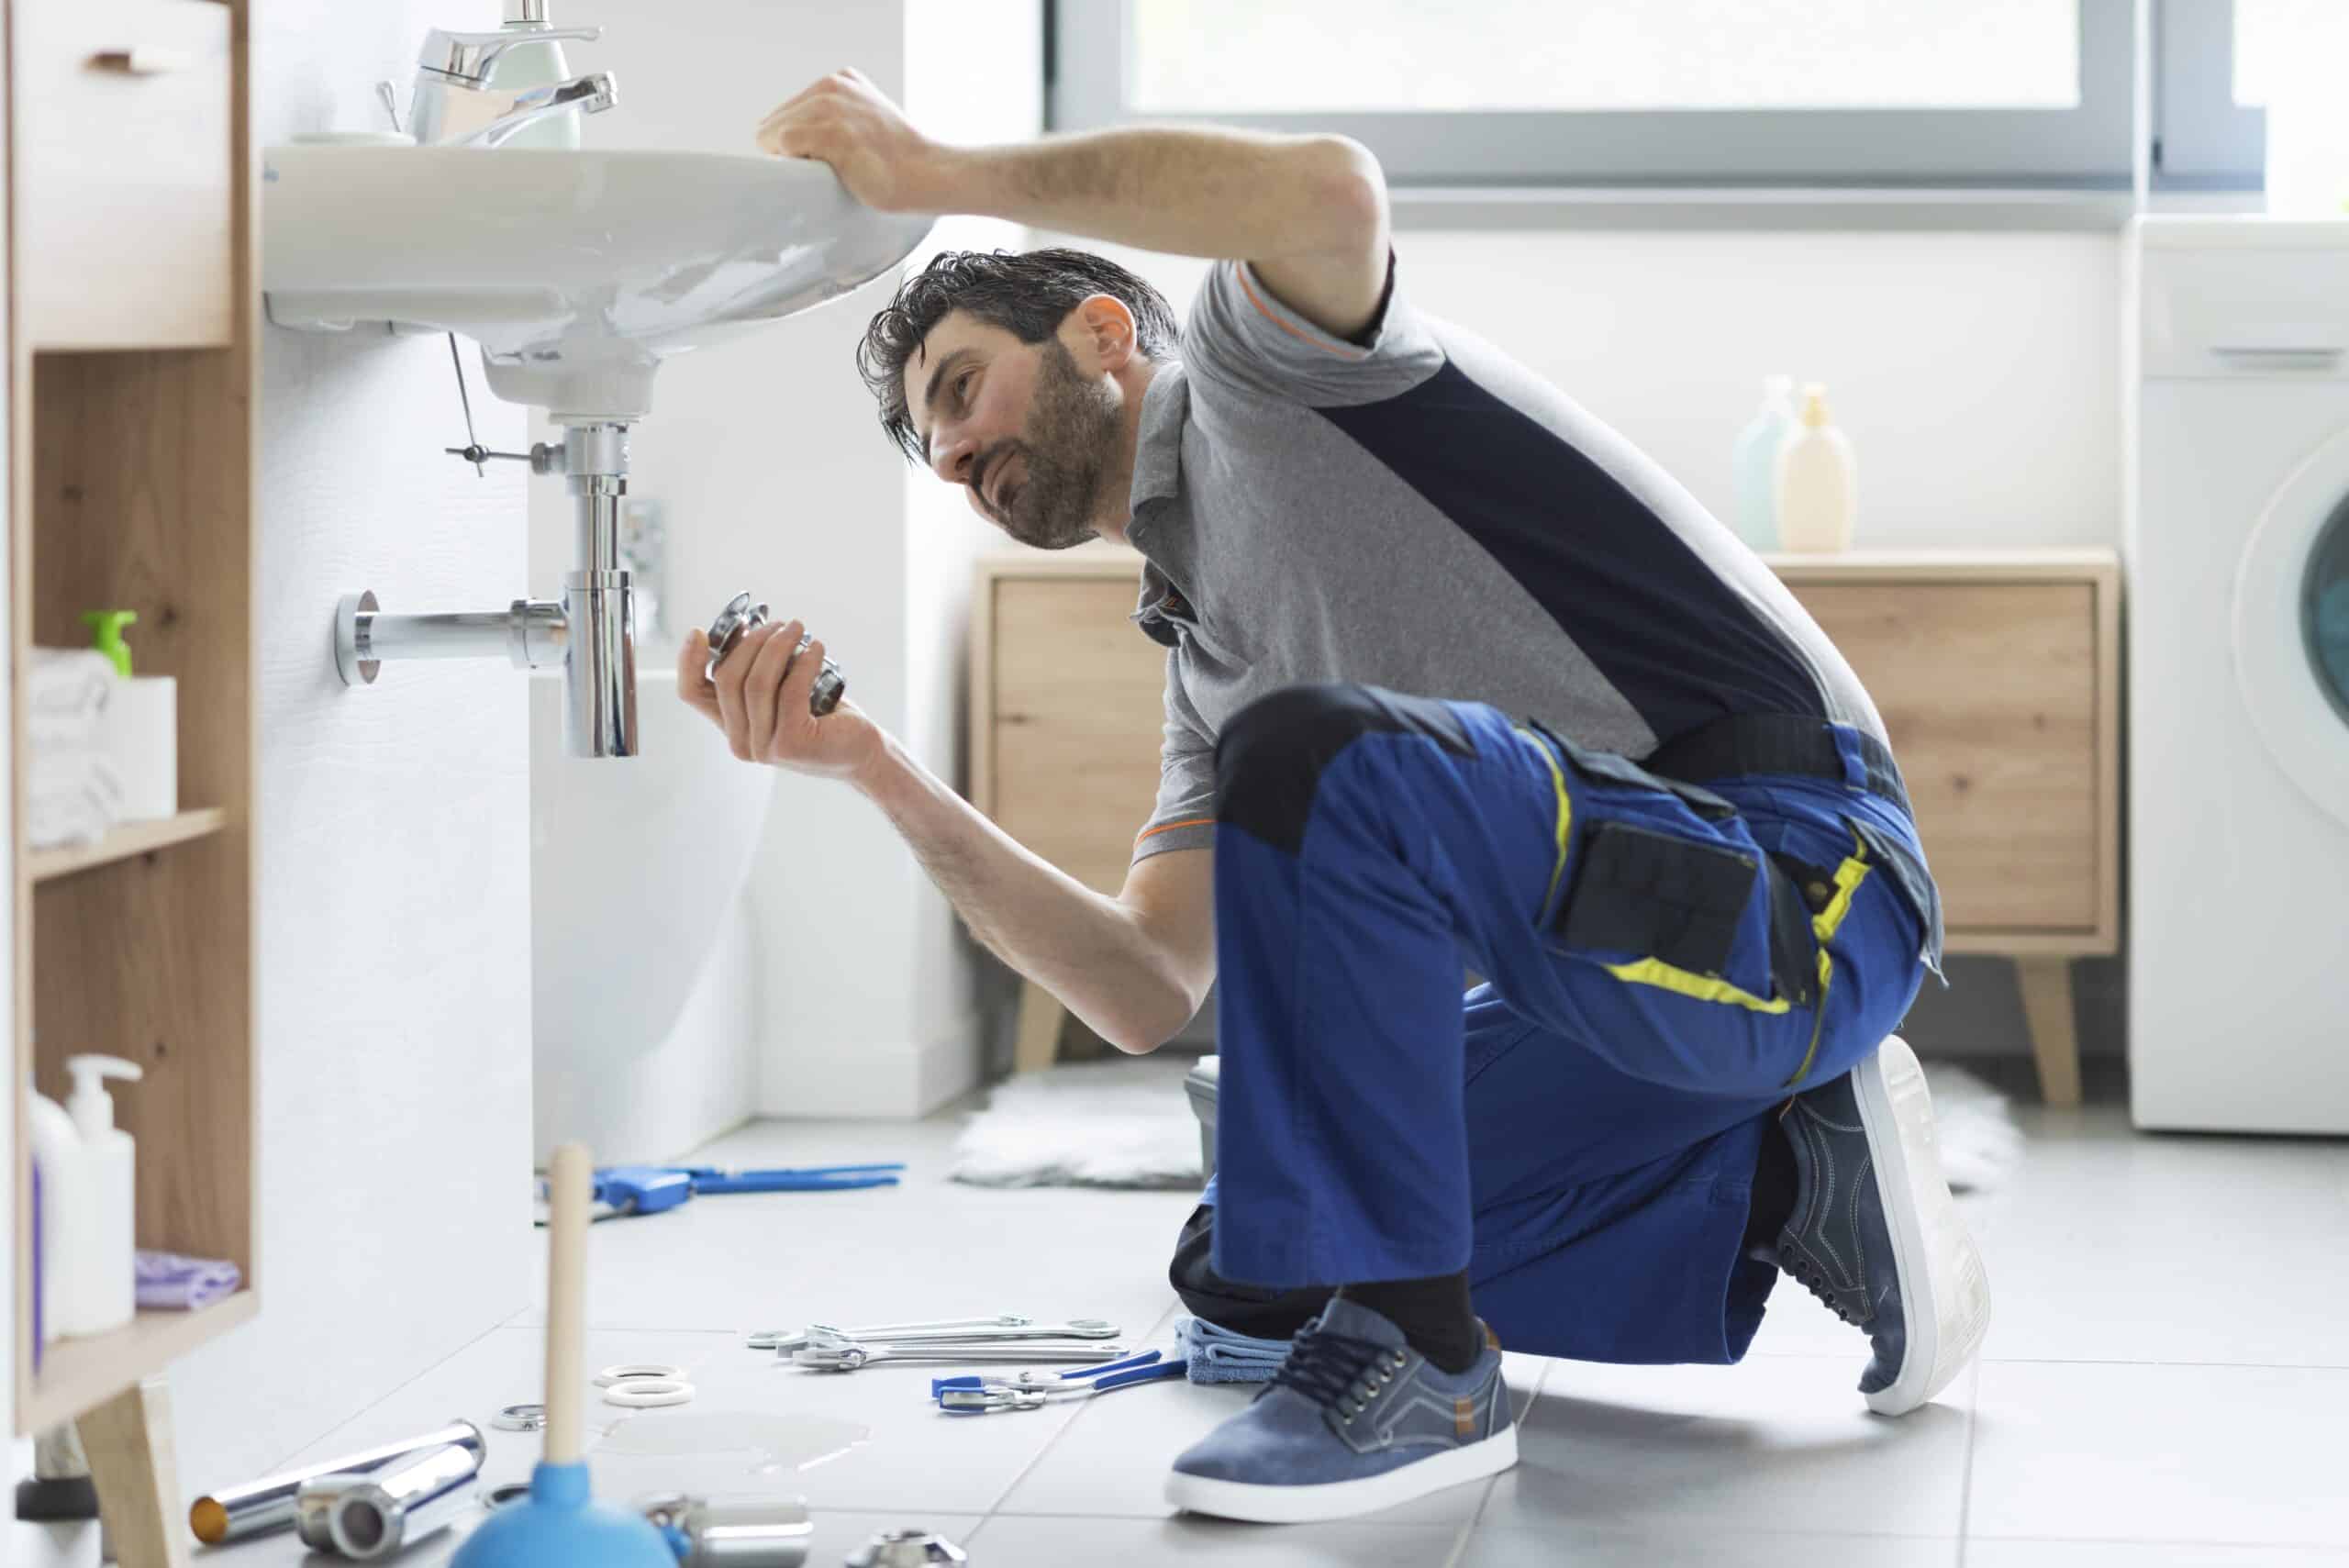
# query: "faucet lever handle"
{"type": "Point", "coordinates": [467, 57]}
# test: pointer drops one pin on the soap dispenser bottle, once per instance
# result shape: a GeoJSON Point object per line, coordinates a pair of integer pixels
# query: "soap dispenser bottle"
{"type": "Point", "coordinates": [1818, 481]}
{"type": "Point", "coordinates": [1754, 463]}
{"type": "Point", "coordinates": [61, 1226]}
{"type": "Point", "coordinates": [533, 64]}
{"type": "Point", "coordinates": [106, 1293]}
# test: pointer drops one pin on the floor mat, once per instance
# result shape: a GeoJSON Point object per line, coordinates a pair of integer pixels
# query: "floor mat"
{"type": "Point", "coordinates": [1123, 1123]}
{"type": "Point", "coordinates": [1127, 1123]}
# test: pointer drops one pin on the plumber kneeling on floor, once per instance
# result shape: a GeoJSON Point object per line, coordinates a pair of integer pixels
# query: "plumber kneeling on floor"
{"type": "Point", "coordinates": [1454, 677]}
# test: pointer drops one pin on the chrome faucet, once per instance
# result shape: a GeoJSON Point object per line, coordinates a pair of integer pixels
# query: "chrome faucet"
{"type": "Point", "coordinates": [591, 93]}
{"type": "Point", "coordinates": [456, 104]}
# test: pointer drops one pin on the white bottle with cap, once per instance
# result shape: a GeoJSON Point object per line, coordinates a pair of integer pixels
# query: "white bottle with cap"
{"type": "Point", "coordinates": [1818, 481]}
{"type": "Point", "coordinates": [105, 1292]}
{"type": "Point", "coordinates": [63, 1226]}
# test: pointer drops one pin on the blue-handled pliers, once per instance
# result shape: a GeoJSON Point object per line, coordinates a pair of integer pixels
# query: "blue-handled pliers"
{"type": "Point", "coordinates": [977, 1396]}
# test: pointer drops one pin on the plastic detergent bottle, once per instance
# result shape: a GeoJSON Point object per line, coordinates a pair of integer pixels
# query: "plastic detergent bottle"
{"type": "Point", "coordinates": [1818, 486]}
{"type": "Point", "coordinates": [60, 1223]}
{"type": "Point", "coordinates": [106, 1291]}
{"type": "Point", "coordinates": [1754, 463]}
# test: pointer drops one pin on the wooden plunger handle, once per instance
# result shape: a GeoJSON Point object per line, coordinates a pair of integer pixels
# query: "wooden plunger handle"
{"type": "Point", "coordinates": [570, 1184]}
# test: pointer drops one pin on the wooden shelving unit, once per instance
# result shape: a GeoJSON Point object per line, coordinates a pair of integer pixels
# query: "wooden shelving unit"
{"type": "Point", "coordinates": [137, 839]}
{"type": "Point", "coordinates": [132, 311]}
{"type": "Point", "coordinates": [76, 1375]}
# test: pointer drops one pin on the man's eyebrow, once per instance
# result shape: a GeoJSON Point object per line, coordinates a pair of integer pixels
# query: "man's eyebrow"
{"type": "Point", "coordinates": [938, 377]}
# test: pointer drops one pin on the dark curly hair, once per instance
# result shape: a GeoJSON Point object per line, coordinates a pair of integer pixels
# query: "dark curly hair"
{"type": "Point", "coordinates": [1027, 294]}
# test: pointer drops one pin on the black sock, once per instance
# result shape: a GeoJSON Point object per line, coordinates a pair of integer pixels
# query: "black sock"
{"type": "Point", "coordinates": [1774, 1189]}
{"type": "Point", "coordinates": [1433, 1314]}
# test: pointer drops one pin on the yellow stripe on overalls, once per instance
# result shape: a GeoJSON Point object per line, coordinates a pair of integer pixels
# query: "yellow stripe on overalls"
{"type": "Point", "coordinates": [1686, 982]}
{"type": "Point", "coordinates": [1710, 988]}
{"type": "Point", "coordinates": [1565, 813]}
{"type": "Point", "coordinates": [1823, 926]}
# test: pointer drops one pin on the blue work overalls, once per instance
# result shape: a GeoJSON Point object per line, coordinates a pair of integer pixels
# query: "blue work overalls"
{"type": "Point", "coordinates": [1663, 967]}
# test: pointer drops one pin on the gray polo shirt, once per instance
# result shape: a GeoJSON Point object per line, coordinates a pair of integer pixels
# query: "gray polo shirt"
{"type": "Point", "coordinates": [1419, 511]}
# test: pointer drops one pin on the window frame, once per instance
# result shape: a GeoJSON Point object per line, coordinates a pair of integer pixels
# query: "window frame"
{"type": "Point", "coordinates": [2203, 140]}
{"type": "Point", "coordinates": [2090, 148]}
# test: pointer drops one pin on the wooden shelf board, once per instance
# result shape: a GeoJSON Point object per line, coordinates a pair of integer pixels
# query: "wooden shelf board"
{"type": "Point", "coordinates": [77, 1374]}
{"type": "Point", "coordinates": [123, 842]}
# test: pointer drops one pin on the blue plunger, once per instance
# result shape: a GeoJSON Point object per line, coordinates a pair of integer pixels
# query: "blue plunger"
{"type": "Point", "coordinates": [560, 1523]}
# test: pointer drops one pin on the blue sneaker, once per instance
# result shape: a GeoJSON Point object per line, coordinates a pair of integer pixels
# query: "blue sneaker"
{"type": "Point", "coordinates": [1354, 1421]}
{"type": "Point", "coordinates": [1874, 1233]}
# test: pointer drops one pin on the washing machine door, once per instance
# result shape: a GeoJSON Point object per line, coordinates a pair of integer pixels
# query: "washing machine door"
{"type": "Point", "coordinates": [2291, 627]}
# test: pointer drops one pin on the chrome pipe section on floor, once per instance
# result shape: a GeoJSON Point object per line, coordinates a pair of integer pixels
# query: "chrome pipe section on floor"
{"type": "Point", "coordinates": [369, 1516]}
{"type": "Point", "coordinates": [732, 1531]}
{"type": "Point", "coordinates": [235, 1512]}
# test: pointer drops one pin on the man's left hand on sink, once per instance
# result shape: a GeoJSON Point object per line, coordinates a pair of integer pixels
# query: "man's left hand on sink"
{"type": "Point", "coordinates": [845, 121]}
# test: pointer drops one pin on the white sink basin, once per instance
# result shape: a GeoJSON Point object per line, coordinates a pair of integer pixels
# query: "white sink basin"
{"type": "Point", "coordinates": [577, 272]}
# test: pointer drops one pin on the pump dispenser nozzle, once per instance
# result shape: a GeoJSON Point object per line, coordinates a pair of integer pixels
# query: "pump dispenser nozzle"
{"type": "Point", "coordinates": [92, 1106]}
{"type": "Point", "coordinates": [106, 635]}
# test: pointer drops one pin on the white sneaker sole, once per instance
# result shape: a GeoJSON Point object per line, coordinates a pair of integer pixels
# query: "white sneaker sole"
{"type": "Point", "coordinates": [1945, 1294]}
{"type": "Point", "coordinates": [1259, 1504]}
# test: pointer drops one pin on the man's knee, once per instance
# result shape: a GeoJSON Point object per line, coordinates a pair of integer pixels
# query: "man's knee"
{"type": "Point", "coordinates": [1270, 758]}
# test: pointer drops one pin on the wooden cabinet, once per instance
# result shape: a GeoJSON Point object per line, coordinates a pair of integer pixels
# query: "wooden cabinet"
{"type": "Point", "coordinates": [121, 179]}
{"type": "Point", "coordinates": [1997, 677]}
{"type": "Point", "coordinates": [131, 216]}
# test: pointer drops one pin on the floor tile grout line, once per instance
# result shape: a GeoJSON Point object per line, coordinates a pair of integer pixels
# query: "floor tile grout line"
{"type": "Point", "coordinates": [1077, 1413]}
{"type": "Point", "coordinates": [2328, 1546]}
{"type": "Point", "coordinates": [1966, 1472]}
{"type": "Point", "coordinates": [1483, 1499]}
{"type": "Point", "coordinates": [1467, 1531]}
{"type": "Point", "coordinates": [397, 1389]}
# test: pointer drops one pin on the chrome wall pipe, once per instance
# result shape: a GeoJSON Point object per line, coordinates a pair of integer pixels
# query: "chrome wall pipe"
{"type": "Point", "coordinates": [590, 632]}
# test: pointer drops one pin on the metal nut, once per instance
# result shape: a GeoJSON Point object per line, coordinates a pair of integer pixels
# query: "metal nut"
{"type": "Point", "coordinates": [906, 1549]}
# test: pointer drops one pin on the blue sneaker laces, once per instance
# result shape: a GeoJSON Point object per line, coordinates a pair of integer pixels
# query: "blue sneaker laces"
{"type": "Point", "coordinates": [1337, 1370]}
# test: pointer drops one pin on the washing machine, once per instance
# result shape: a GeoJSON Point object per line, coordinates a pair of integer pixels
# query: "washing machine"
{"type": "Point", "coordinates": [2237, 542]}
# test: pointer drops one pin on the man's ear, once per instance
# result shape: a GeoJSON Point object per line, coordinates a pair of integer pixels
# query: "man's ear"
{"type": "Point", "coordinates": [1103, 323]}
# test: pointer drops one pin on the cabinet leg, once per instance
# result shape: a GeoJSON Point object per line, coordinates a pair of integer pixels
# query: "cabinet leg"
{"type": "Point", "coordinates": [1040, 1015]}
{"type": "Point", "coordinates": [2055, 1040]}
{"type": "Point", "coordinates": [129, 1440]}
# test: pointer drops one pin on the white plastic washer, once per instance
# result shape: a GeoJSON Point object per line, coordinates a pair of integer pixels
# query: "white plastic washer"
{"type": "Point", "coordinates": [648, 1393]}
{"type": "Point", "coordinates": [627, 1371]}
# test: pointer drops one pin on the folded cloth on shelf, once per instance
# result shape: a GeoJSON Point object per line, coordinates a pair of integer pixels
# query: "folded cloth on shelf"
{"type": "Point", "coordinates": [1218, 1355]}
{"type": "Point", "coordinates": [72, 796]}
{"type": "Point", "coordinates": [65, 698]}
{"type": "Point", "coordinates": [166, 1280]}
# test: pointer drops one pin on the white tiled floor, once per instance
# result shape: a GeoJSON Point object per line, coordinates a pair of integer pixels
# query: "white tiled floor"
{"type": "Point", "coordinates": [2165, 1384]}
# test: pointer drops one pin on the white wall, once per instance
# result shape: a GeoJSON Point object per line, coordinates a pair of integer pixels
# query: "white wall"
{"type": "Point", "coordinates": [974, 77]}
{"type": "Point", "coordinates": [774, 477]}
{"type": "Point", "coordinates": [393, 904]}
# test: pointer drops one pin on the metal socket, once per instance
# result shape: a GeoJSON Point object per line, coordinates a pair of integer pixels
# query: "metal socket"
{"type": "Point", "coordinates": [402, 1504]}
{"type": "Point", "coordinates": [746, 1532]}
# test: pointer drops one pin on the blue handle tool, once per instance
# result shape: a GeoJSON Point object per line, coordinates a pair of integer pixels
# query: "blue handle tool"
{"type": "Point", "coordinates": [975, 1396]}
{"type": "Point", "coordinates": [640, 1190]}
